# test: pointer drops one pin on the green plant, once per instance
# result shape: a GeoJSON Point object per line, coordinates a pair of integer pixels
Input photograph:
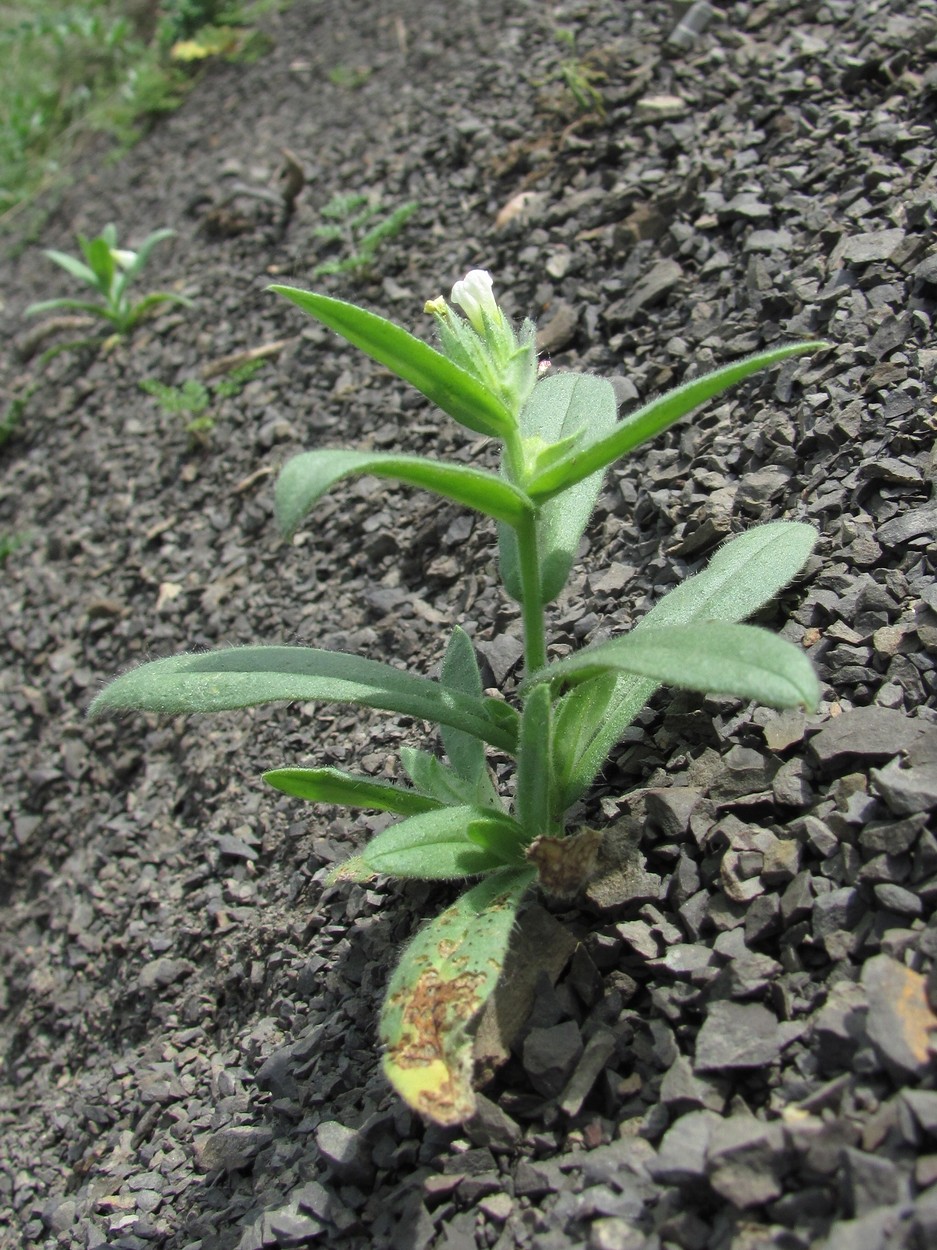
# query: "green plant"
{"type": "Point", "coordinates": [188, 19]}
{"type": "Point", "coordinates": [580, 80]}
{"type": "Point", "coordinates": [193, 398]}
{"type": "Point", "coordinates": [348, 76]}
{"type": "Point", "coordinates": [10, 543]}
{"type": "Point", "coordinates": [15, 411]}
{"type": "Point", "coordinates": [351, 222]}
{"type": "Point", "coordinates": [109, 270]}
{"type": "Point", "coordinates": [578, 75]}
{"type": "Point", "coordinates": [54, 59]}
{"type": "Point", "coordinates": [557, 436]}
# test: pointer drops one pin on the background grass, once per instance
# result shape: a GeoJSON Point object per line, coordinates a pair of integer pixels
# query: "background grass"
{"type": "Point", "coordinates": [74, 67]}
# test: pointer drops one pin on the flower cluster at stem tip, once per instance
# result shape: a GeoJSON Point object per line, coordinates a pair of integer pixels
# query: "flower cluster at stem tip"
{"type": "Point", "coordinates": [484, 342]}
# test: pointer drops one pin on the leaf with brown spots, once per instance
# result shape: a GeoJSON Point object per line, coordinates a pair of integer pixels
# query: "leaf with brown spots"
{"type": "Point", "coordinates": [444, 978]}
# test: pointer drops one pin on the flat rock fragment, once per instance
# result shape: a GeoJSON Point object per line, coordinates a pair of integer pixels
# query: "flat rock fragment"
{"type": "Point", "coordinates": [901, 1025]}
{"type": "Point", "coordinates": [907, 790]}
{"type": "Point", "coordinates": [745, 1160]}
{"type": "Point", "coordinates": [923, 1104]}
{"type": "Point", "coordinates": [345, 1151]}
{"type": "Point", "coordinates": [682, 1090]}
{"type": "Point", "coordinates": [550, 1055]}
{"type": "Point", "coordinates": [908, 525]}
{"type": "Point", "coordinates": [232, 1147]}
{"type": "Point", "coordinates": [681, 1159]}
{"type": "Point", "coordinates": [647, 292]}
{"type": "Point", "coordinates": [870, 245]}
{"type": "Point", "coordinates": [839, 1027]}
{"type": "Point", "coordinates": [741, 1035]}
{"type": "Point", "coordinates": [873, 734]}
{"type": "Point", "coordinates": [598, 1050]}
{"type": "Point", "coordinates": [871, 1181]}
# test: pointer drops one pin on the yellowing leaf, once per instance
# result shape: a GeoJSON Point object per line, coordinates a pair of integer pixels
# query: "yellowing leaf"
{"type": "Point", "coordinates": [190, 50]}
{"type": "Point", "coordinates": [444, 978]}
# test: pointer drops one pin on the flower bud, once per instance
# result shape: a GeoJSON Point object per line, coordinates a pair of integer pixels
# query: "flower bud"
{"type": "Point", "coordinates": [475, 297]}
{"type": "Point", "coordinates": [123, 257]}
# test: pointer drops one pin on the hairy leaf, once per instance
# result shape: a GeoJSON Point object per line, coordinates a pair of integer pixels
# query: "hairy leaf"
{"type": "Point", "coordinates": [73, 305]}
{"type": "Point", "coordinates": [453, 390]}
{"type": "Point", "coordinates": [435, 846]}
{"type": "Point", "coordinates": [100, 260]}
{"type": "Point", "coordinates": [713, 658]}
{"type": "Point", "coordinates": [332, 785]}
{"type": "Point", "coordinates": [71, 264]}
{"type": "Point", "coordinates": [741, 577]}
{"type": "Point", "coordinates": [434, 777]}
{"type": "Point", "coordinates": [146, 247]}
{"type": "Point", "coordinates": [460, 673]}
{"type": "Point", "coordinates": [446, 975]}
{"type": "Point", "coordinates": [561, 407]}
{"type": "Point", "coordinates": [239, 677]}
{"type": "Point", "coordinates": [304, 479]}
{"type": "Point", "coordinates": [652, 419]}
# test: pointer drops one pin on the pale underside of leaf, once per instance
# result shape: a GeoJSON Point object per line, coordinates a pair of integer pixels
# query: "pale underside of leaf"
{"type": "Point", "coordinates": [713, 658]}
{"type": "Point", "coordinates": [241, 677]}
{"type": "Point", "coordinates": [743, 575]}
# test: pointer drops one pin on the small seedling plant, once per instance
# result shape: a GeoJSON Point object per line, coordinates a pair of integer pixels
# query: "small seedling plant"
{"type": "Point", "coordinates": [109, 270]}
{"type": "Point", "coordinates": [355, 222]}
{"type": "Point", "coordinates": [193, 399]}
{"type": "Point", "coordinates": [579, 77]}
{"type": "Point", "coordinates": [557, 434]}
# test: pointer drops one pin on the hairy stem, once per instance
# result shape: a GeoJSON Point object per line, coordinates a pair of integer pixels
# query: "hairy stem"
{"type": "Point", "coordinates": [535, 642]}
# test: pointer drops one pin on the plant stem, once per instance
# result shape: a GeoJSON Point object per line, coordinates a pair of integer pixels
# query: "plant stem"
{"type": "Point", "coordinates": [535, 641]}
{"type": "Point", "coordinates": [528, 554]}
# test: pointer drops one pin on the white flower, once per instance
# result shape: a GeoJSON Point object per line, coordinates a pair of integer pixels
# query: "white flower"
{"type": "Point", "coordinates": [123, 257]}
{"type": "Point", "coordinates": [476, 299]}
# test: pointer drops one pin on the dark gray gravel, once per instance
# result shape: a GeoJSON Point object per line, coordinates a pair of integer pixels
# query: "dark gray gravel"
{"type": "Point", "coordinates": [739, 1052]}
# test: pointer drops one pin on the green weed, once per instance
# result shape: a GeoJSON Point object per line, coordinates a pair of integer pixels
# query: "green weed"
{"type": "Point", "coordinates": [193, 399]}
{"type": "Point", "coordinates": [352, 223]}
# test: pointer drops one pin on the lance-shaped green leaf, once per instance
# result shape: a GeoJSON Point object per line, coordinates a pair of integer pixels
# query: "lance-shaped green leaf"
{"type": "Point", "coordinates": [239, 677]}
{"type": "Point", "coordinates": [71, 264]}
{"type": "Point", "coordinates": [560, 408]}
{"type": "Point", "coordinates": [305, 479]}
{"type": "Point", "coordinates": [439, 780]}
{"type": "Point", "coordinates": [141, 308]}
{"type": "Point", "coordinates": [435, 778]}
{"type": "Point", "coordinates": [652, 419]}
{"type": "Point", "coordinates": [332, 785]}
{"type": "Point", "coordinates": [450, 387]}
{"type": "Point", "coordinates": [435, 846]}
{"type": "Point", "coordinates": [72, 305]}
{"type": "Point", "coordinates": [101, 258]}
{"type": "Point", "coordinates": [741, 577]}
{"type": "Point", "coordinates": [578, 716]}
{"type": "Point", "coordinates": [532, 799]}
{"type": "Point", "coordinates": [506, 841]}
{"type": "Point", "coordinates": [444, 978]}
{"type": "Point", "coordinates": [146, 247]}
{"type": "Point", "coordinates": [460, 672]}
{"type": "Point", "coordinates": [713, 658]}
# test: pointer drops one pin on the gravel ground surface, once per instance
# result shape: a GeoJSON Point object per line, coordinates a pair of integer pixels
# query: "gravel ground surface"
{"type": "Point", "coordinates": [728, 1045]}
